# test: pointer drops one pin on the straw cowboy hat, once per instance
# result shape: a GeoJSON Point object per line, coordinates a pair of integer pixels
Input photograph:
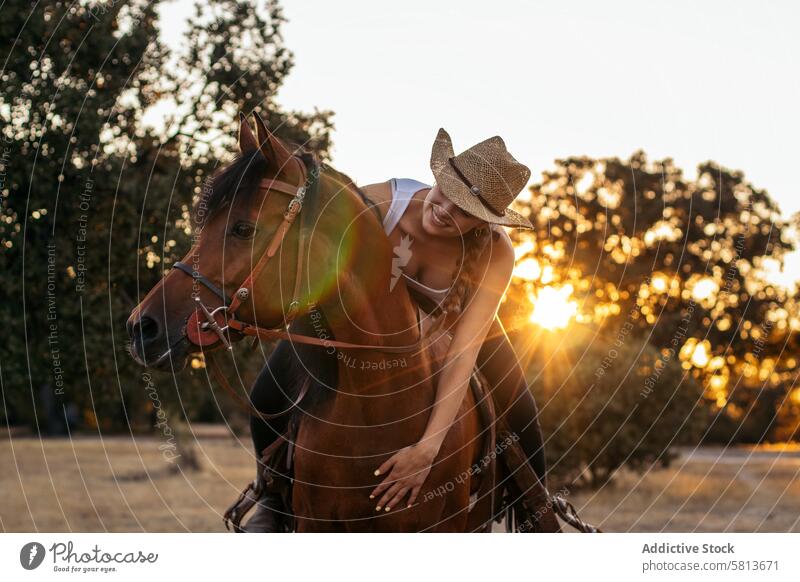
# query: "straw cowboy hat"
{"type": "Point", "coordinates": [482, 181]}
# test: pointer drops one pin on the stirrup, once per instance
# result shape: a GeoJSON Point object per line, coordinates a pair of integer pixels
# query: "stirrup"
{"type": "Point", "coordinates": [243, 504]}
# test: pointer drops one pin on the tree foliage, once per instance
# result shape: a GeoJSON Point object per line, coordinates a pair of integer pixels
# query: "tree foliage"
{"type": "Point", "coordinates": [607, 402]}
{"type": "Point", "coordinates": [681, 261]}
{"type": "Point", "coordinates": [96, 197]}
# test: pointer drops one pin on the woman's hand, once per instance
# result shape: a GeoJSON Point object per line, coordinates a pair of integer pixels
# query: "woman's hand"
{"type": "Point", "coordinates": [407, 470]}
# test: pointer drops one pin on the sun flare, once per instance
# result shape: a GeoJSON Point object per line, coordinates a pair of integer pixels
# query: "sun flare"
{"type": "Point", "coordinates": [552, 307]}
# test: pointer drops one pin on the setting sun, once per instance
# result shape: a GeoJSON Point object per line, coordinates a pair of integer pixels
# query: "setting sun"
{"type": "Point", "coordinates": [552, 308]}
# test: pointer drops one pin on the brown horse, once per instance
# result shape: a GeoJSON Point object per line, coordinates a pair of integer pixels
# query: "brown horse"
{"type": "Point", "coordinates": [376, 408]}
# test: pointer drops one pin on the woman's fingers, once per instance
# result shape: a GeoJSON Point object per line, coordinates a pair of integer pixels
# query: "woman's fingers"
{"type": "Point", "coordinates": [397, 498]}
{"type": "Point", "coordinates": [383, 470]}
{"type": "Point", "coordinates": [404, 474]}
{"type": "Point", "coordinates": [387, 482]}
{"type": "Point", "coordinates": [413, 497]}
{"type": "Point", "coordinates": [387, 496]}
{"type": "Point", "coordinates": [387, 465]}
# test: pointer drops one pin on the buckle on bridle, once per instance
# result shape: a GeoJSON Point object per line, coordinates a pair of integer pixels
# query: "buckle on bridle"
{"type": "Point", "coordinates": [296, 204]}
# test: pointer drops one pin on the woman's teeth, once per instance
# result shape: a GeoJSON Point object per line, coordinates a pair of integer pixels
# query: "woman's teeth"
{"type": "Point", "coordinates": [437, 220]}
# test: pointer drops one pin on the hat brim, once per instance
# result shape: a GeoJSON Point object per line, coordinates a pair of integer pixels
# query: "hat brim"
{"type": "Point", "coordinates": [459, 193]}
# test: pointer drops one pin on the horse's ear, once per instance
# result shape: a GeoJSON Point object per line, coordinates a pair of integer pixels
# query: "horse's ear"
{"type": "Point", "coordinates": [247, 141]}
{"type": "Point", "coordinates": [262, 133]}
{"type": "Point", "coordinates": [272, 148]}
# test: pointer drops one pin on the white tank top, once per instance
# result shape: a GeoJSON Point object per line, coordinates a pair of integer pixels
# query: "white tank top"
{"type": "Point", "coordinates": [403, 189]}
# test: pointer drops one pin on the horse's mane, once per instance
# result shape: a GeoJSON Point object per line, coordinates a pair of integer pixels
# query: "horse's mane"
{"type": "Point", "coordinates": [345, 180]}
{"type": "Point", "coordinates": [316, 364]}
{"type": "Point", "coordinates": [241, 178]}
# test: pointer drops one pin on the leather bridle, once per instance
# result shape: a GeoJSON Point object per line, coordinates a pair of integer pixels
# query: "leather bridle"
{"type": "Point", "coordinates": [206, 327]}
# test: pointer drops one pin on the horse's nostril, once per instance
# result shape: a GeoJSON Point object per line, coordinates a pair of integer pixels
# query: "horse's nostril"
{"type": "Point", "coordinates": [144, 330]}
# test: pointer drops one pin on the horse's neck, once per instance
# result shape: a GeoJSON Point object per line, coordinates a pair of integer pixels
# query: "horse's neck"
{"type": "Point", "coordinates": [363, 307]}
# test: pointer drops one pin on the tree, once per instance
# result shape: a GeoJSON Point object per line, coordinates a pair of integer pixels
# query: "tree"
{"type": "Point", "coordinates": [684, 256]}
{"type": "Point", "coordinates": [608, 402]}
{"type": "Point", "coordinates": [96, 200]}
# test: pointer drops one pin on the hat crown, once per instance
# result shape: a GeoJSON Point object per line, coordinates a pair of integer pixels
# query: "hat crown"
{"type": "Point", "coordinates": [483, 180]}
{"type": "Point", "coordinates": [499, 178]}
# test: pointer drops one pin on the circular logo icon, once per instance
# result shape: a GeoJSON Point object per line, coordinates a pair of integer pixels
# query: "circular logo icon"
{"type": "Point", "coordinates": [31, 555]}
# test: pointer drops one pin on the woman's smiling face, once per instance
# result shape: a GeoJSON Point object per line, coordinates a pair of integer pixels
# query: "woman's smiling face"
{"type": "Point", "coordinates": [441, 217]}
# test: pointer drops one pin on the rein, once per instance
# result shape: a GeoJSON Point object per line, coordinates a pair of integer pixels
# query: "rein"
{"type": "Point", "coordinates": [206, 327]}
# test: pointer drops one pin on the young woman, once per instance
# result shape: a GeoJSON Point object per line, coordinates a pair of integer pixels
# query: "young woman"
{"type": "Point", "coordinates": [457, 261]}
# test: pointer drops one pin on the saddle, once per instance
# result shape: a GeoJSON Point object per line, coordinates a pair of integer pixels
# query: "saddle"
{"type": "Point", "coordinates": [508, 490]}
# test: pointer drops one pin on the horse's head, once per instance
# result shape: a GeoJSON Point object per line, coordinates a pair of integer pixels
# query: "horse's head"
{"type": "Point", "coordinates": [234, 222]}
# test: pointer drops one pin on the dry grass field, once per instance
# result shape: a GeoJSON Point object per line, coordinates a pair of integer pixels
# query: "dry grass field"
{"type": "Point", "coordinates": [706, 490]}
{"type": "Point", "coordinates": [124, 484]}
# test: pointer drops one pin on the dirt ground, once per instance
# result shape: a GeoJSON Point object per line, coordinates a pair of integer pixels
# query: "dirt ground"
{"type": "Point", "coordinates": [125, 484]}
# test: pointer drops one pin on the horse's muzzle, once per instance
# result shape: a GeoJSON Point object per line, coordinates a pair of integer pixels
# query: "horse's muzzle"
{"type": "Point", "coordinates": [150, 345]}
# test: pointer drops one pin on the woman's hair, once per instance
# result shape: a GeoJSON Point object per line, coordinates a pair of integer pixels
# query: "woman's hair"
{"type": "Point", "coordinates": [465, 275]}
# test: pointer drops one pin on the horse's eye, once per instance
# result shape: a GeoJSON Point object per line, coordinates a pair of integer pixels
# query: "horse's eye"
{"type": "Point", "coordinates": [243, 230]}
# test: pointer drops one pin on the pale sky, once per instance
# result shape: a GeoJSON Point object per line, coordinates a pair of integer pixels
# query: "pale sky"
{"type": "Point", "coordinates": [689, 80]}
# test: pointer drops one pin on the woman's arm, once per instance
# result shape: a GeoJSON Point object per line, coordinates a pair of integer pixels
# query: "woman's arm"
{"type": "Point", "coordinates": [473, 325]}
{"type": "Point", "coordinates": [411, 465]}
